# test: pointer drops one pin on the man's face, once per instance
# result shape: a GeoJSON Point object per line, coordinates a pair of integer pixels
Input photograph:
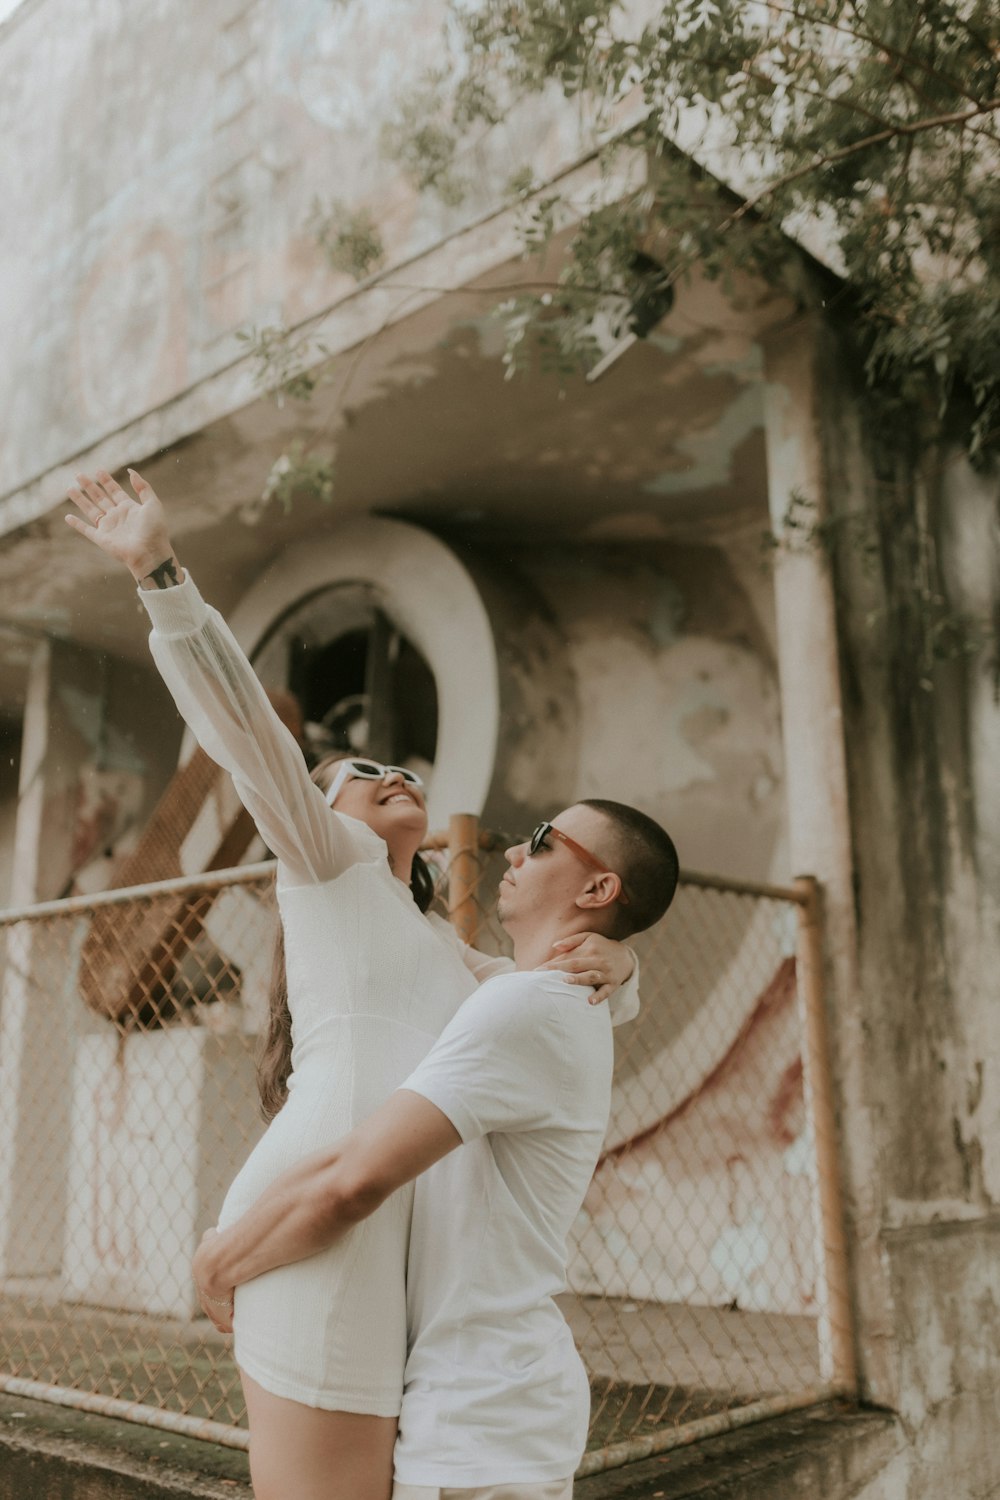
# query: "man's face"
{"type": "Point", "coordinates": [549, 884]}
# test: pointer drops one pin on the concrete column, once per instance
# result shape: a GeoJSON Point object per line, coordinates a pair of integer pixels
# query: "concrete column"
{"type": "Point", "coordinates": [818, 813]}
{"type": "Point", "coordinates": [81, 780]}
{"type": "Point", "coordinates": [38, 1019]}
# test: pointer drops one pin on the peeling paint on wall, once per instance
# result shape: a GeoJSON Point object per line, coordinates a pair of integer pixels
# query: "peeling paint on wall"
{"type": "Point", "coordinates": [710, 453]}
{"type": "Point", "coordinates": [671, 665]}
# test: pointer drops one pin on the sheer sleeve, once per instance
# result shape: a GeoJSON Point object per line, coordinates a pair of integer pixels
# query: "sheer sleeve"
{"type": "Point", "coordinates": [481, 966]}
{"type": "Point", "coordinates": [624, 1003]}
{"type": "Point", "coordinates": [222, 701]}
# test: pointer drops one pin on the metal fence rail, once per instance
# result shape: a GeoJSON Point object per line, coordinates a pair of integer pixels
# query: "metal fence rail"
{"type": "Point", "coordinates": [707, 1282]}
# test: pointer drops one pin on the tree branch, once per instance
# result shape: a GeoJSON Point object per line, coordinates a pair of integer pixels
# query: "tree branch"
{"type": "Point", "coordinates": [873, 41]}
{"type": "Point", "coordinates": [912, 128]}
{"type": "Point", "coordinates": [831, 99]}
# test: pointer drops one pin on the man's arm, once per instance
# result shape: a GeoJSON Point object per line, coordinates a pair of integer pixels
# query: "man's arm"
{"type": "Point", "coordinates": [498, 1065]}
{"type": "Point", "coordinates": [311, 1204]}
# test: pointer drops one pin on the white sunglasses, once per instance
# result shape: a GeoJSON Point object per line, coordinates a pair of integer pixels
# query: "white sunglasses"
{"type": "Point", "coordinates": [367, 770]}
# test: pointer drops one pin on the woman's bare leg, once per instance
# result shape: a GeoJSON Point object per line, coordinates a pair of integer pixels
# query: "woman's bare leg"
{"type": "Point", "coordinates": [302, 1453]}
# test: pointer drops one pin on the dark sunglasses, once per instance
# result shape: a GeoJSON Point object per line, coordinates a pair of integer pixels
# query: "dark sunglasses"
{"type": "Point", "coordinates": [548, 830]}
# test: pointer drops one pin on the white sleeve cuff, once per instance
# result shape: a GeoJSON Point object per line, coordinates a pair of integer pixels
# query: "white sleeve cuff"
{"type": "Point", "coordinates": [624, 1004]}
{"type": "Point", "coordinates": [448, 1101]}
{"type": "Point", "coordinates": [176, 611]}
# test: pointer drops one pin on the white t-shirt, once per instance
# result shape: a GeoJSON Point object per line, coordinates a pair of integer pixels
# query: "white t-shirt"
{"type": "Point", "coordinates": [495, 1391]}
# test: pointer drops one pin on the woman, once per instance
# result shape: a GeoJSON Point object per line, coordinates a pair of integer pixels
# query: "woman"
{"type": "Point", "coordinates": [371, 983]}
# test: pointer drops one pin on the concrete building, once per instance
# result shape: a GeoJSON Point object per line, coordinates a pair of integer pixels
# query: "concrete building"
{"type": "Point", "coordinates": [568, 588]}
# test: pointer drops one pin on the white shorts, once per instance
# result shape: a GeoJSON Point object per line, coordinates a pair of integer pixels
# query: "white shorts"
{"type": "Point", "coordinates": [556, 1489]}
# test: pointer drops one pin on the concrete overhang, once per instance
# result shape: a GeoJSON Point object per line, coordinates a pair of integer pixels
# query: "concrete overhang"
{"type": "Point", "coordinates": [421, 425]}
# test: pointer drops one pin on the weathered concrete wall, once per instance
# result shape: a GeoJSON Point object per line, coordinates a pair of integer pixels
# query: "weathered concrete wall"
{"type": "Point", "coordinates": [921, 732]}
{"type": "Point", "coordinates": [94, 750]}
{"type": "Point", "coordinates": [99, 740]}
{"type": "Point", "coordinates": [183, 194]}
{"type": "Point", "coordinates": [677, 684]}
{"type": "Point", "coordinates": [10, 757]}
{"type": "Point", "coordinates": [643, 673]}
{"type": "Point", "coordinates": [135, 736]}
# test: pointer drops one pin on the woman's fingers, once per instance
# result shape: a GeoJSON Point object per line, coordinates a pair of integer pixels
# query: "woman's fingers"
{"type": "Point", "coordinates": [141, 486]}
{"type": "Point", "coordinates": [112, 489]}
{"type": "Point", "coordinates": [219, 1316]}
{"type": "Point", "coordinates": [94, 492]}
{"type": "Point", "coordinates": [85, 504]}
{"type": "Point", "coordinates": [602, 994]}
{"type": "Point", "coordinates": [564, 945]}
{"type": "Point", "coordinates": [573, 963]}
{"type": "Point", "coordinates": [89, 532]}
{"type": "Point", "coordinates": [104, 492]}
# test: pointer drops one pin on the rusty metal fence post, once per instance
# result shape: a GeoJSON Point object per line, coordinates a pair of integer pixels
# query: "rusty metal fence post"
{"type": "Point", "coordinates": [464, 875]}
{"type": "Point", "coordinates": [836, 1324]}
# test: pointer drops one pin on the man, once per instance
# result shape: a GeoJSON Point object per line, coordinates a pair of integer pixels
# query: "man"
{"type": "Point", "coordinates": [496, 1403]}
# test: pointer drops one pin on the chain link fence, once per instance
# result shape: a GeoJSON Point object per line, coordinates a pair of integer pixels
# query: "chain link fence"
{"type": "Point", "coordinates": [706, 1281]}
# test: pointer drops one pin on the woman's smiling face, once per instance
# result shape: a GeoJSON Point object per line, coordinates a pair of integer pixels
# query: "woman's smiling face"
{"type": "Point", "coordinates": [387, 806]}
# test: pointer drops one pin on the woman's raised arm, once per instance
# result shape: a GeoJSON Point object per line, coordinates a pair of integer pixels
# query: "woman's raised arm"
{"type": "Point", "coordinates": [215, 687]}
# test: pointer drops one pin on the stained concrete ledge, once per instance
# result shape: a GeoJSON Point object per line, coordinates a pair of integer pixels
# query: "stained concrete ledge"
{"type": "Point", "coordinates": [829, 1453]}
{"type": "Point", "coordinates": [52, 1453]}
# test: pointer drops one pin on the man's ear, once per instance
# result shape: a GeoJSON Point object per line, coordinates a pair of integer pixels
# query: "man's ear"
{"type": "Point", "coordinates": [600, 892]}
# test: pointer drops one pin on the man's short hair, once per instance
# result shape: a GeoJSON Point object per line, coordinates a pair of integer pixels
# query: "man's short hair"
{"type": "Point", "coordinates": [647, 862]}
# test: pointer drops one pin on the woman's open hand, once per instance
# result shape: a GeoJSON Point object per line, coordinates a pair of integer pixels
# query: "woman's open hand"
{"type": "Point", "coordinates": [133, 531]}
{"type": "Point", "coordinates": [590, 958]}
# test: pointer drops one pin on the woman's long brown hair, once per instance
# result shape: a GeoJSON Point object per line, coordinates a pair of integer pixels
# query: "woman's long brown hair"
{"type": "Point", "coordinates": [274, 1060]}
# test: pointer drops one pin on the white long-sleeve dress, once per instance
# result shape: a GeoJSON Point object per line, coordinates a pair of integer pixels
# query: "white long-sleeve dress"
{"type": "Point", "coordinates": [371, 984]}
